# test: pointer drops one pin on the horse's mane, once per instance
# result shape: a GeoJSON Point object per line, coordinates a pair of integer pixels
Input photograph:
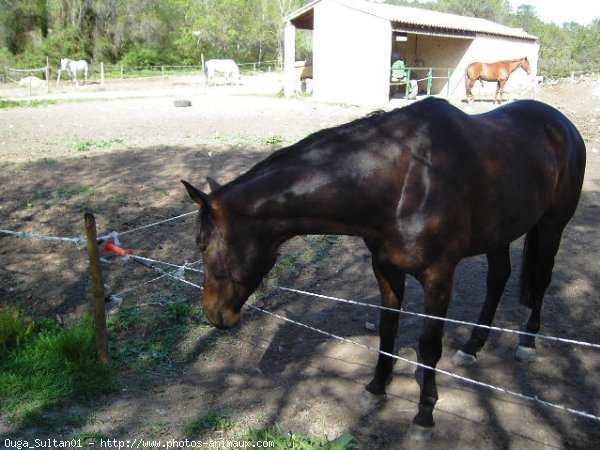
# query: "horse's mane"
{"type": "Point", "coordinates": [374, 117]}
{"type": "Point", "coordinates": [324, 136]}
{"type": "Point", "coordinates": [315, 139]}
{"type": "Point", "coordinates": [345, 129]}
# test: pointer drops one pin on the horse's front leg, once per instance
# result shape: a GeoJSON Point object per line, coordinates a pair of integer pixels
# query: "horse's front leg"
{"type": "Point", "coordinates": [391, 285]}
{"type": "Point", "coordinates": [500, 91]}
{"type": "Point", "coordinates": [470, 96]}
{"type": "Point", "coordinates": [437, 284]}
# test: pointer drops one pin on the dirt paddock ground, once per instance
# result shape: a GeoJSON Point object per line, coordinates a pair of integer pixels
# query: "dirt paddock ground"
{"type": "Point", "coordinates": [122, 153]}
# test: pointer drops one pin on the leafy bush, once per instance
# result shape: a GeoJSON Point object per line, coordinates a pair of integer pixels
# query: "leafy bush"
{"type": "Point", "coordinates": [6, 57]}
{"type": "Point", "coordinates": [139, 56]}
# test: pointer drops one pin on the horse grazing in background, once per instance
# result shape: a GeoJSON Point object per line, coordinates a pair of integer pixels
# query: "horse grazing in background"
{"type": "Point", "coordinates": [423, 190]}
{"type": "Point", "coordinates": [499, 71]}
{"type": "Point", "coordinates": [226, 68]}
{"type": "Point", "coordinates": [73, 67]}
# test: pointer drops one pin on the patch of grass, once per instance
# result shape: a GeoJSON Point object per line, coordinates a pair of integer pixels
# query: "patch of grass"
{"type": "Point", "coordinates": [47, 366]}
{"type": "Point", "coordinates": [270, 140]}
{"type": "Point", "coordinates": [89, 437]}
{"type": "Point", "coordinates": [48, 198]}
{"type": "Point", "coordinates": [213, 421]}
{"type": "Point", "coordinates": [88, 144]}
{"type": "Point", "coordinates": [15, 330]}
{"type": "Point", "coordinates": [151, 340]}
{"type": "Point", "coordinates": [298, 441]}
{"type": "Point", "coordinates": [276, 437]}
{"type": "Point", "coordinates": [183, 312]}
{"type": "Point", "coordinates": [285, 263]}
{"type": "Point", "coordinates": [126, 318]}
{"type": "Point", "coordinates": [317, 248]}
{"type": "Point", "coordinates": [25, 103]}
{"type": "Point", "coordinates": [87, 192]}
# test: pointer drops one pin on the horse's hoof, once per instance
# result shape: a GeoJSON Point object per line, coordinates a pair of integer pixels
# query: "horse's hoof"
{"type": "Point", "coordinates": [419, 433]}
{"type": "Point", "coordinates": [463, 359]}
{"type": "Point", "coordinates": [369, 400]}
{"type": "Point", "coordinates": [525, 354]}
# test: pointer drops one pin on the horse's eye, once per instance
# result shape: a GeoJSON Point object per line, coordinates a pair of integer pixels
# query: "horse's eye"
{"type": "Point", "coordinates": [204, 236]}
{"type": "Point", "coordinates": [202, 240]}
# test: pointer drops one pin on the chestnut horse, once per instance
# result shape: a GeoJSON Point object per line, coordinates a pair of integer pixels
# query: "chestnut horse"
{"type": "Point", "coordinates": [424, 186]}
{"type": "Point", "coordinates": [498, 71]}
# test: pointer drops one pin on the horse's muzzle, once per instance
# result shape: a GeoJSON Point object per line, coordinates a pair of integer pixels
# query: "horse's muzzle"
{"type": "Point", "coordinates": [222, 318]}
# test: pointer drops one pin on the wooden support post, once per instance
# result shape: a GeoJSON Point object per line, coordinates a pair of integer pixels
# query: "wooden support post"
{"type": "Point", "coordinates": [289, 60]}
{"type": "Point", "coordinates": [102, 74]}
{"type": "Point", "coordinates": [47, 75]}
{"type": "Point", "coordinates": [97, 288]}
{"type": "Point", "coordinates": [429, 80]}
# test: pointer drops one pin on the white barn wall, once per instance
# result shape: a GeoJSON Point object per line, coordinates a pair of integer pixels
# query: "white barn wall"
{"type": "Point", "coordinates": [351, 55]}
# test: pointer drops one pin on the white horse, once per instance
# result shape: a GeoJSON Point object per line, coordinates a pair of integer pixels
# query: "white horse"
{"type": "Point", "coordinates": [73, 67]}
{"type": "Point", "coordinates": [225, 67]}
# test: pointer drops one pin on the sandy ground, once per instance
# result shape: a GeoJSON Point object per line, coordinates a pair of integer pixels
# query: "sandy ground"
{"type": "Point", "coordinates": [121, 152]}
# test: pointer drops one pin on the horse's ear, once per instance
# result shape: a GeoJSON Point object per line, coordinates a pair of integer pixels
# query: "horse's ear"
{"type": "Point", "coordinates": [214, 185]}
{"type": "Point", "coordinates": [195, 194]}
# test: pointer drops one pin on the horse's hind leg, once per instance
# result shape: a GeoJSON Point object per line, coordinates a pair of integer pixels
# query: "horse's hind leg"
{"type": "Point", "coordinates": [541, 245]}
{"type": "Point", "coordinates": [391, 285]}
{"type": "Point", "coordinates": [498, 274]}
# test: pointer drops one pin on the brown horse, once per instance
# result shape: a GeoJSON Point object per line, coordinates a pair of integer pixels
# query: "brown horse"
{"type": "Point", "coordinates": [424, 191]}
{"type": "Point", "coordinates": [498, 71]}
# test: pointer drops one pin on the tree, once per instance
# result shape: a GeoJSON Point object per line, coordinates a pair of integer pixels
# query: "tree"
{"type": "Point", "coordinates": [585, 48]}
{"type": "Point", "coordinates": [525, 17]}
{"type": "Point", "coordinates": [495, 10]}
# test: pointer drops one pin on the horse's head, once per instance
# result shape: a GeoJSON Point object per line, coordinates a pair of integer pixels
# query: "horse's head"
{"type": "Point", "coordinates": [63, 63]}
{"type": "Point", "coordinates": [237, 254]}
{"type": "Point", "coordinates": [525, 65]}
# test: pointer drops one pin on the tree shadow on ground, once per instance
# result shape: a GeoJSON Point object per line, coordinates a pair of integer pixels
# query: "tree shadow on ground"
{"type": "Point", "coordinates": [268, 372]}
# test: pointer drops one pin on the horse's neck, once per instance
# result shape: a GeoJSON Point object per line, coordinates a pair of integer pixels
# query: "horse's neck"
{"type": "Point", "coordinates": [514, 65]}
{"type": "Point", "coordinates": [294, 203]}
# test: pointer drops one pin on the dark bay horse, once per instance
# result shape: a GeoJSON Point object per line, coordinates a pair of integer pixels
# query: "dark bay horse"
{"type": "Point", "coordinates": [424, 186]}
{"type": "Point", "coordinates": [498, 71]}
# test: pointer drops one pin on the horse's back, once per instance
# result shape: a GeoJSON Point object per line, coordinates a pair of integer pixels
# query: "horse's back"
{"type": "Point", "coordinates": [222, 65]}
{"type": "Point", "coordinates": [531, 115]}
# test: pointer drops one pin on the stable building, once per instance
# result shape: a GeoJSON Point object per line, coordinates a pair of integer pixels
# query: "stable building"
{"type": "Point", "coordinates": [355, 43]}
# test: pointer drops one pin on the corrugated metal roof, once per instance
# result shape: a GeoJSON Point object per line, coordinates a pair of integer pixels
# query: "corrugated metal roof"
{"type": "Point", "coordinates": [421, 18]}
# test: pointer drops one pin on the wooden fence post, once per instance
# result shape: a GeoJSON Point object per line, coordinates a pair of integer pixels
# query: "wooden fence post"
{"type": "Point", "coordinates": [97, 288]}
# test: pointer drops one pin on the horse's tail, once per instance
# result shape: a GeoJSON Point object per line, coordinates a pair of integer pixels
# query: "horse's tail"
{"type": "Point", "coordinates": [531, 252]}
